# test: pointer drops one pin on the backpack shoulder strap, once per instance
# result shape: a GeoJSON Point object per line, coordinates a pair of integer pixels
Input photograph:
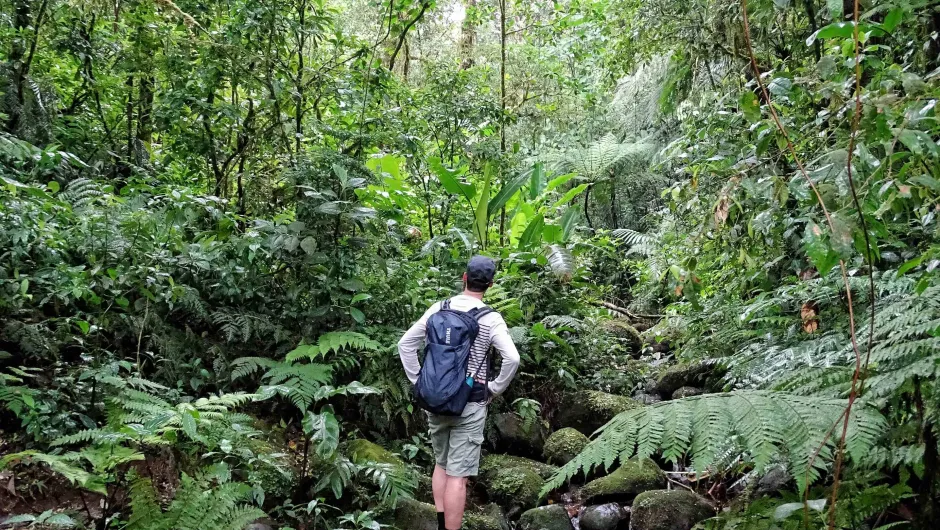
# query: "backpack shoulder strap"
{"type": "Point", "coordinates": [480, 312]}
{"type": "Point", "coordinates": [445, 304]}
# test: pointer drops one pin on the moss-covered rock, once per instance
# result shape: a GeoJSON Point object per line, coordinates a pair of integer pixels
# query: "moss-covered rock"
{"type": "Point", "coordinates": [414, 515]}
{"type": "Point", "coordinates": [635, 476]}
{"type": "Point", "coordinates": [589, 410]}
{"type": "Point", "coordinates": [623, 330]}
{"type": "Point", "coordinates": [686, 391]}
{"type": "Point", "coordinates": [669, 510]}
{"type": "Point", "coordinates": [494, 462]}
{"type": "Point", "coordinates": [699, 375]}
{"type": "Point", "coordinates": [512, 481]}
{"type": "Point", "coordinates": [365, 451]}
{"type": "Point", "coordinates": [489, 517]}
{"type": "Point", "coordinates": [553, 517]}
{"type": "Point", "coordinates": [515, 487]}
{"type": "Point", "coordinates": [517, 436]}
{"type": "Point", "coordinates": [563, 445]}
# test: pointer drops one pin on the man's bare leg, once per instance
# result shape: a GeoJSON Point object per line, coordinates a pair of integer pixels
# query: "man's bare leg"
{"type": "Point", "coordinates": [438, 485]}
{"type": "Point", "coordinates": [455, 500]}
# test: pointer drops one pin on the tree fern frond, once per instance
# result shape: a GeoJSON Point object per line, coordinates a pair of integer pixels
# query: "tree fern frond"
{"type": "Point", "coordinates": [248, 365]}
{"type": "Point", "coordinates": [563, 321]}
{"type": "Point", "coordinates": [561, 261]}
{"type": "Point", "coordinates": [769, 425]}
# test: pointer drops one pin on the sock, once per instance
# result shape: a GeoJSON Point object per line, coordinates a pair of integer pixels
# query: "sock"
{"type": "Point", "coordinates": [440, 521]}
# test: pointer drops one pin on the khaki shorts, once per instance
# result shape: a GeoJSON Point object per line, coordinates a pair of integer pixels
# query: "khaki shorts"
{"type": "Point", "coordinates": [457, 440]}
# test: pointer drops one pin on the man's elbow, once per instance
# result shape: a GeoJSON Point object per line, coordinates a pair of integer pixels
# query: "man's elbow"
{"type": "Point", "coordinates": [512, 357]}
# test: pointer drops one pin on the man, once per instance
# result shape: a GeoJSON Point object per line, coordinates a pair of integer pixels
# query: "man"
{"type": "Point", "coordinates": [457, 439]}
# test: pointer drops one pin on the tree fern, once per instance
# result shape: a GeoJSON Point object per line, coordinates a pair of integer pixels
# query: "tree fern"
{"type": "Point", "coordinates": [768, 425]}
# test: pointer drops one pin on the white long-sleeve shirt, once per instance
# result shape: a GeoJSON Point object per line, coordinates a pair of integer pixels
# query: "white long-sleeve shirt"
{"type": "Point", "coordinates": [493, 332]}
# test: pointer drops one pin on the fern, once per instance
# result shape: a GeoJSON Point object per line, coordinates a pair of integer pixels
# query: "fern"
{"type": "Point", "coordinates": [196, 506]}
{"type": "Point", "coordinates": [83, 193]}
{"type": "Point", "coordinates": [767, 425]}
{"type": "Point", "coordinates": [135, 416]}
{"type": "Point", "coordinates": [563, 321]}
{"type": "Point", "coordinates": [332, 342]}
{"type": "Point", "coordinates": [63, 465]}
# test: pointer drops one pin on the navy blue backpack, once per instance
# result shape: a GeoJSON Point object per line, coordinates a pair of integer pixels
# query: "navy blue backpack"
{"type": "Point", "coordinates": [444, 382]}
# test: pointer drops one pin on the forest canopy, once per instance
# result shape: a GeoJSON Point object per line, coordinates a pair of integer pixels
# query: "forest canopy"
{"type": "Point", "coordinates": [715, 223]}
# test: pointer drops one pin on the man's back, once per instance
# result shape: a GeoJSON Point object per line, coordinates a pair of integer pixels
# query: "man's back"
{"type": "Point", "coordinates": [493, 333]}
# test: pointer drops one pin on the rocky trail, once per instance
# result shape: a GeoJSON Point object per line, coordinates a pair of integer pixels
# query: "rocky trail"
{"type": "Point", "coordinates": [520, 455]}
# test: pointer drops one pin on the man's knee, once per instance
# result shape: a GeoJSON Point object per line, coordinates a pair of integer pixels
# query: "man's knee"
{"type": "Point", "coordinates": [457, 481]}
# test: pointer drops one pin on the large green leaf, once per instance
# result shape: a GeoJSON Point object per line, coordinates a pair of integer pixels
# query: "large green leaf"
{"type": "Point", "coordinates": [452, 180]}
{"type": "Point", "coordinates": [533, 233]}
{"type": "Point", "coordinates": [571, 194]}
{"type": "Point", "coordinates": [323, 429]}
{"type": "Point", "coordinates": [481, 216]}
{"type": "Point", "coordinates": [537, 181]}
{"type": "Point", "coordinates": [568, 222]}
{"type": "Point", "coordinates": [819, 250]}
{"type": "Point", "coordinates": [559, 181]}
{"type": "Point", "coordinates": [509, 189]}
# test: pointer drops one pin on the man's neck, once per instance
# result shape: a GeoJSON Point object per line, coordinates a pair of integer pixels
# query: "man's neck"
{"type": "Point", "coordinates": [473, 294]}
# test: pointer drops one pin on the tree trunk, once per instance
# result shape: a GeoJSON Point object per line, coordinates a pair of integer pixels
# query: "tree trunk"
{"type": "Point", "coordinates": [811, 14]}
{"type": "Point", "coordinates": [613, 200]}
{"type": "Point", "coordinates": [468, 35]}
{"type": "Point", "coordinates": [587, 211]}
{"type": "Point", "coordinates": [299, 111]}
{"type": "Point", "coordinates": [20, 61]}
{"type": "Point", "coordinates": [502, 112]}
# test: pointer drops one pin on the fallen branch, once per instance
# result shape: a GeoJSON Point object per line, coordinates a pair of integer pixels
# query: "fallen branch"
{"type": "Point", "coordinates": [627, 312]}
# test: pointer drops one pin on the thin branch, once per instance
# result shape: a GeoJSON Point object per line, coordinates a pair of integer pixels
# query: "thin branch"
{"type": "Point", "coordinates": [626, 312]}
{"type": "Point", "coordinates": [404, 34]}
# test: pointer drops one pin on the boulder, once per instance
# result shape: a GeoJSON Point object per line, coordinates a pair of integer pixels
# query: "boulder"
{"type": "Point", "coordinates": [604, 517]}
{"type": "Point", "coordinates": [563, 445]}
{"type": "Point", "coordinates": [686, 391]}
{"type": "Point", "coordinates": [362, 450]}
{"type": "Point", "coordinates": [516, 436]}
{"type": "Point", "coordinates": [514, 487]}
{"type": "Point", "coordinates": [552, 517]}
{"type": "Point", "coordinates": [669, 510]}
{"type": "Point", "coordinates": [492, 463]}
{"type": "Point", "coordinates": [259, 526]}
{"type": "Point", "coordinates": [415, 515]}
{"type": "Point", "coordinates": [589, 410]}
{"type": "Point", "coordinates": [490, 517]}
{"type": "Point", "coordinates": [686, 374]}
{"type": "Point", "coordinates": [774, 480]}
{"type": "Point", "coordinates": [647, 399]}
{"type": "Point", "coordinates": [623, 330]}
{"type": "Point", "coordinates": [635, 476]}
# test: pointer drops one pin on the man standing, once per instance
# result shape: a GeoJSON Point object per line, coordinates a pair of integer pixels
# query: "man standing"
{"type": "Point", "coordinates": [457, 439]}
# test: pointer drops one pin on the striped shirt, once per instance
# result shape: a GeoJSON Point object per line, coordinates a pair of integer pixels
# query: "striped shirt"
{"type": "Point", "coordinates": [493, 333]}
